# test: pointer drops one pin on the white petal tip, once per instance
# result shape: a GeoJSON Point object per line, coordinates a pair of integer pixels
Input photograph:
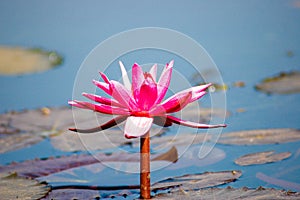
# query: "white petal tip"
{"type": "Point", "coordinates": [137, 126]}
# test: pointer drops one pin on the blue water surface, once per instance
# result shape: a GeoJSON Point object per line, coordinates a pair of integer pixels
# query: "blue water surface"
{"type": "Point", "coordinates": [248, 41]}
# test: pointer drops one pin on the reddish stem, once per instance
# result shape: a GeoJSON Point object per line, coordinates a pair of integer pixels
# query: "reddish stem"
{"type": "Point", "coordinates": [145, 167]}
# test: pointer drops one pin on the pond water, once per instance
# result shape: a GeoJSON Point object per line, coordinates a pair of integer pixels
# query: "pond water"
{"type": "Point", "coordinates": [248, 41]}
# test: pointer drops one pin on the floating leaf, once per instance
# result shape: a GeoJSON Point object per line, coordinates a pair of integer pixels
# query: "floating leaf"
{"type": "Point", "coordinates": [37, 168]}
{"type": "Point", "coordinates": [197, 181]}
{"type": "Point", "coordinates": [260, 136]}
{"type": "Point", "coordinates": [39, 120]}
{"type": "Point", "coordinates": [278, 182]}
{"type": "Point", "coordinates": [85, 193]}
{"type": "Point", "coordinates": [67, 194]}
{"type": "Point", "coordinates": [18, 141]}
{"type": "Point", "coordinates": [70, 141]}
{"type": "Point", "coordinates": [17, 60]}
{"type": "Point", "coordinates": [284, 83]}
{"type": "Point", "coordinates": [15, 187]}
{"type": "Point", "coordinates": [22, 129]}
{"type": "Point", "coordinates": [231, 193]}
{"type": "Point", "coordinates": [261, 158]}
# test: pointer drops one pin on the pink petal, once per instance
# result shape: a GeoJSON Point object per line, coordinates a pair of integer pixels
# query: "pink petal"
{"type": "Point", "coordinates": [146, 95]}
{"type": "Point", "coordinates": [193, 124]}
{"type": "Point", "coordinates": [75, 104]}
{"type": "Point", "coordinates": [122, 95]}
{"type": "Point", "coordinates": [137, 77]}
{"type": "Point", "coordinates": [197, 91]}
{"type": "Point", "coordinates": [137, 126]}
{"type": "Point", "coordinates": [107, 125]}
{"type": "Point", "coordinates": [104, 77]}
{"type": "Point", "coordinates": [125, 78]}
{"type": "Point", "coordinates": [164, 82]}
{"type": "Point", "coordinates": [103, 86]}
{"type": "Point", "coordinates": [153, 71]}
{"type": "Point", "coordinates": [103, 108]}
{"type": "Point", "coordinates": [157, 110]}
{"type": "Point", "coordinates": [200, 88]}
{"type": "Point", "coordinates": [177, 102]}
{"type": "Point", "coordinates": [102, 100]}
{"type": "Point", "coordinates": [197, 96]}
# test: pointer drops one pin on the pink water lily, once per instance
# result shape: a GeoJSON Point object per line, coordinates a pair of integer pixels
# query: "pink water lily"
{"type": "Point", "coordinates": [141, 103]}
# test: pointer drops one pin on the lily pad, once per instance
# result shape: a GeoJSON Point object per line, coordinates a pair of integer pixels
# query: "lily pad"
{"type": "Point", "coordinates": [260, 136]}
{"type": "Point", "coordinates": [67, 194]}
{"type": "Point", "coordinates": [261, 158]}
{"type": "Point", "coordinates": [15, 187]}
{"type": "Point", "coordinates": [197, 181]}
{"type": "Point", "coordinates": [43, 167]}
{"type": "Point", "coordinates": [18, 141]}
{"type": "Point", "coordinates": [279, 182]}
{"type": "Point", "coordinates": [284, 83]}
{"type": "Point", "coordinates": [22, 129]}
{"type": "Point", "coordinates": [18, 60]}
{"type": "Point", "coordinates": [231, 193]}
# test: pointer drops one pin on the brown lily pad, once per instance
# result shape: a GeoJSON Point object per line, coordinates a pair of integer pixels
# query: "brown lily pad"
{"type": "Point", "coordinates": [25, 128]}
{"type": "Point", "coordinates": [261, 158]}
{"type": "Point", "coordinates": [260, 136]}
{"type": "Point", "coordinates": [18, 141]}
{"type": "Point", "coordinates": [284, 83]}
{"type": "Point", "coordinates": [18, 60]}
{"type": "Point", "coordinates": [15, 187]}
{"type": "Point", "coordinates": [231, 193]}
{"type": "Point", "coordinates": [43, 167]}
{"type": "Point", "coordinates": [67, 194]}
{"type": "Point", "coordinates": [197, 181]}
{"type": "Point", "coordinates": [279, 182]}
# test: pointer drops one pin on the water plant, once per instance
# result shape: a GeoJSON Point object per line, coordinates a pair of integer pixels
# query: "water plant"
{"type": "Point", "coordinates": [140, 103]}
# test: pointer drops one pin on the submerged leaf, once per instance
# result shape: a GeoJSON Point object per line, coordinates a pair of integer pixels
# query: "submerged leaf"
{"type": "Point", "coordinates": [284, 83]}
{"type": "Point", "coordinates": [197, 181]}
{"type": "Point", "coordinates": [260, 136]}
{"type": "Point", "coordinates": [231, 193]}
{"type": "Point", "coordinates": [17, 60]}
{"type": "Point", "coordinates": [15, 187]}
{"type": "Point", "coordinates": [261, 158]}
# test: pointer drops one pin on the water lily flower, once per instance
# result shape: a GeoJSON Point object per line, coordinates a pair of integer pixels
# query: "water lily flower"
{"type": "Point", "coordinates": [140, 103]}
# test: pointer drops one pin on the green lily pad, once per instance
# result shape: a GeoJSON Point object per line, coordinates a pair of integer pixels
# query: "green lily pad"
{"type": "Point", "coordinates": [231, 193]}
{"type": "Point", "coordinates": [284, 83]}
{"type": "Point", "coordinates": [18, 60]}
{"type": "Point", "coordinates": [14, 187]}
{"type": "Point", "coordinates": [261, 158]}
{"type": "Point", "coordinates": [260, 136]}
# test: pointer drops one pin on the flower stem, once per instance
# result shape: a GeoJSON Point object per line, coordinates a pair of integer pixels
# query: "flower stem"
{"type": "Point", "coordinates": [145, 167]}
